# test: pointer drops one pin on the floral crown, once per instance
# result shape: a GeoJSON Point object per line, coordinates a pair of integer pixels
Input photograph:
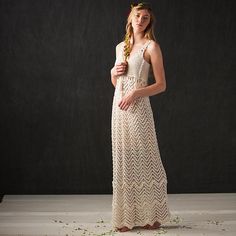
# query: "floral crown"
{"type": "Point", "coordinates": [141, 4]}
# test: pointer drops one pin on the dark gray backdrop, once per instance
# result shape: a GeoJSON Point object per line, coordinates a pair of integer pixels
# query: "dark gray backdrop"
{"type": "Point", "coordinates": [56, 94]}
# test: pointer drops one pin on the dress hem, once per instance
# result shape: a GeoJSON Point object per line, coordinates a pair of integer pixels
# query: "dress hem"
{"type": "Point", "coordinates": [131, 226]}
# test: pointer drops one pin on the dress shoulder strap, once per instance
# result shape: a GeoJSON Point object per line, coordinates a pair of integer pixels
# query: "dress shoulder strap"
{"type": "Point", "coordinates": [120, 50]}
{"type": "Point", "coordinates": [146, 45]}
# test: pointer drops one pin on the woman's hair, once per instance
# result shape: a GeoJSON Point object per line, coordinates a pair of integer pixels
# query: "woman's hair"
{"type": "Point", "coordinates": [148, 33]}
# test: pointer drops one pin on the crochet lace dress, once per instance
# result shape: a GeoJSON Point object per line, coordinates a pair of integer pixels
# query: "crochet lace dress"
{"type": "Point", "coordinates": [139, 178]}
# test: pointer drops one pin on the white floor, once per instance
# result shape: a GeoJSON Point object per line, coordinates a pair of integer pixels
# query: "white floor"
{"type": "Point", "coordinates": [192, 214]}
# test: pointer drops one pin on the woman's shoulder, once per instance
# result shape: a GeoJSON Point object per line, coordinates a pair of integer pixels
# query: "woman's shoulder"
{"type": "Point", "coordinates": [154, 49]}
{"type": "Point", "coordinates": [153, 44]}
{"type": "Point", "coordinates": [119, 47]}
{"type": "Point", "coordinates": [120, 44]}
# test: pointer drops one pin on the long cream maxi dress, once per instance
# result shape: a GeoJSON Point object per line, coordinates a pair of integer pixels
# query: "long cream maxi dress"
{"type": "Point", "coordinates": [139, 178]}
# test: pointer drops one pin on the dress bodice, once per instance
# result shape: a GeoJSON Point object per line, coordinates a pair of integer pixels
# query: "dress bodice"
{"type": "Point", "coordinates": [137, 71]}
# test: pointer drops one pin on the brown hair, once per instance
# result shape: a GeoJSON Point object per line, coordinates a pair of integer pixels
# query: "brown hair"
{"type": "Point", "coordinates": [148, 33]}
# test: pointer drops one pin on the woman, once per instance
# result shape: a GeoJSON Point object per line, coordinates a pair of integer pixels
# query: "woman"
{"type": "Point", "coordinates": [139, 178]}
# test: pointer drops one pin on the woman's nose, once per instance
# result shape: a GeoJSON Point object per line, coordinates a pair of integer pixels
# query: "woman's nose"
{"type": "Point", "coordinates": [140, 20]}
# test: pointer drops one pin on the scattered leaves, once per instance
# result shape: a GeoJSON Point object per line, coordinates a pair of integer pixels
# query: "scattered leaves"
{"type": "Point", "coordinates": [101, 221]}
{"type": "Point", "coordinates": [161, 231]}
{"type": "Point", "coordinates": [78, 228]}
{"type": "Point", "coordinates": [177, 219]}
{"type": "Point", "coordinates": [215, 222]}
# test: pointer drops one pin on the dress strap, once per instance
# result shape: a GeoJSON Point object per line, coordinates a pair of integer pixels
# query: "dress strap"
{"type": "Point", "coordinates": [146, 45]}
{"type": "Point", "coordinates": [142, 52]}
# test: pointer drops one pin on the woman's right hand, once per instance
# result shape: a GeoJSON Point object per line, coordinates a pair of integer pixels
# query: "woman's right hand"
{"type": "Point", "coordinates": [120, 69]}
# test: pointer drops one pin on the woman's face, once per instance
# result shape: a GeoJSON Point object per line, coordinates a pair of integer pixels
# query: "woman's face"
{"type": "Point", "coordinates": [140, 20]}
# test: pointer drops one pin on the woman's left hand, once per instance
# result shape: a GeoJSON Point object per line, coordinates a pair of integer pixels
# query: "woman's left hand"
{"type": "Point", "coordinates": [127, 100]}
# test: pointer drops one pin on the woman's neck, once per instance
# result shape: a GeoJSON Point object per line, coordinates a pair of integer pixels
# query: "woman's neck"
{"type": "Point", "coordinates": [138, 38]}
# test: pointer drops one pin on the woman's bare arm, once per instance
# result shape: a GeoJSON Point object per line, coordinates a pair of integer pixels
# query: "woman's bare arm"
{"type": "Point", "coordinates": [156, 60]}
